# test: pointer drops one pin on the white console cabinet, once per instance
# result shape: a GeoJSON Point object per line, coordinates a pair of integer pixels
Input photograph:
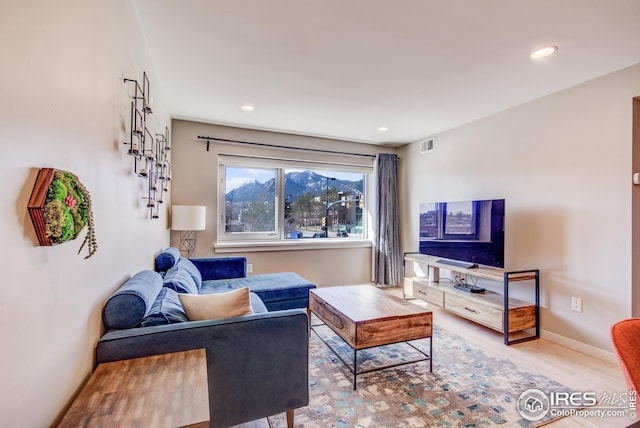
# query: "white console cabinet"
{"type": "Point", "coordinates": [494, 310]}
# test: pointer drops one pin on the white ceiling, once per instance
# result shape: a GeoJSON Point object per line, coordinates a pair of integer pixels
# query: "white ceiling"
{"type": "Point", "coordinates": [343, 68]}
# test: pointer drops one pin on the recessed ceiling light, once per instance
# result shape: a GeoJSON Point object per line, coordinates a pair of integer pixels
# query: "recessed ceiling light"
{"type": "Point", "coordinates": [247, 107]}
{"type": "Point", "coordinates": [383, 128]}
{"type": "Point", "coordinates": [543, 52]}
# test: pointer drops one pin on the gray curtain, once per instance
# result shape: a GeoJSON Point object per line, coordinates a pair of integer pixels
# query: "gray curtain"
{"type": "Point", "coordinates": [387, 254]}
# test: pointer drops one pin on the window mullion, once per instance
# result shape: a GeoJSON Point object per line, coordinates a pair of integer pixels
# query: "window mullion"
{"type": "Point", "coordinates": [280, 202]}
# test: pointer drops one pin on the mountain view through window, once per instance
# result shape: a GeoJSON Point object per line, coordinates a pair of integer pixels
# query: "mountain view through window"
{"type": "Point", "coordinates": [315, 203]}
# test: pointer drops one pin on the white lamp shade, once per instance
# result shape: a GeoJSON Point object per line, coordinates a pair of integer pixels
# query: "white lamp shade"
{"type": "Point", "coordinates": [188, 217]}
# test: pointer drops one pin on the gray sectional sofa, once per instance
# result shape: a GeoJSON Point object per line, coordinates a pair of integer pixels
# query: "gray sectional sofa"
{"type": "Point", "coordinates": [257, 365]}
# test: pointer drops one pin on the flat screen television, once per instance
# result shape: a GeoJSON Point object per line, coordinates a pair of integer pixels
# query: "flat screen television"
{"type": "Point", "coordinates": [469, 232]}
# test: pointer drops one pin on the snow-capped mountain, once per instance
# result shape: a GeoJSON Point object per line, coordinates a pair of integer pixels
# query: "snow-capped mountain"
{"type": "Point", "coordinates": [296, 184]}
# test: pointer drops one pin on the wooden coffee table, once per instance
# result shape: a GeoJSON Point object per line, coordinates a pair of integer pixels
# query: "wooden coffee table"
{"type": "Point", "coordinates": [365, 317]}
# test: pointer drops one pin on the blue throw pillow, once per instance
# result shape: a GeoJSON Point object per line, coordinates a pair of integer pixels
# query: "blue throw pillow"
{"type": "Point", "coordinates": [132, 301]}
{"type": "Point", "coordinates": [167, 259]}
{"type": "Point", "coordinates": [257, 304]}
{"type": "Point", "coordinates": [187, 265]}
{"type": "Point", "coordinates": [167, 309]}
{"type": "Point", "coordinates": [179, 279]}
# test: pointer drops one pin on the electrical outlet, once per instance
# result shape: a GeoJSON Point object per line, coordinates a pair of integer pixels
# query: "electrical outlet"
{"type": "Point", "coordinates": [249, 268]}
{"type": "Point", "coordinates": [576, 304]}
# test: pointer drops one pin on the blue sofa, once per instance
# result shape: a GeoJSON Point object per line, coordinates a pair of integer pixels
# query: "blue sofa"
{"type": "Point", "coordinates": [257, 364]}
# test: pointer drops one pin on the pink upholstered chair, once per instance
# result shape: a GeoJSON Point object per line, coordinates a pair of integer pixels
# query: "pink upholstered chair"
{"type": "Point", "coordinates": [625, 336]}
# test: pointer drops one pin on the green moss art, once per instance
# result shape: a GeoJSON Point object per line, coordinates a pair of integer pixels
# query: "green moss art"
{"type": "Point", "coordinates": [67, 209]}
{"type": "Point", "coordinates": [63, 216]}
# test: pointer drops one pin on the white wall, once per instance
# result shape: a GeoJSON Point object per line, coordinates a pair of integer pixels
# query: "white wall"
{"type": "Point", "coordinates": [194, 183]}
{"type": "Point", "coordinates": [64, 105]}
{"type": "Point", "coordinates": [563, 164]}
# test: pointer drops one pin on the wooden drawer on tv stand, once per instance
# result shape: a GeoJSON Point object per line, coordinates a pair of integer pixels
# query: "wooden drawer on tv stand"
{"type": "Point", "coordinates": [428, 293]}
{"type": "Point", "coordinates": [472, 309]}
{"type": "Point", "coordinates": [484, 308]}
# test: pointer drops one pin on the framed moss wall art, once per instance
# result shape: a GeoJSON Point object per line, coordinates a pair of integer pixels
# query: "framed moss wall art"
{"type": "Point", "coordinates": [60, 207]}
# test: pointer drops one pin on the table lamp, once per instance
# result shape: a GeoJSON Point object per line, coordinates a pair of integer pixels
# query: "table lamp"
{"type": "Point", "coordinates": [187, 219]}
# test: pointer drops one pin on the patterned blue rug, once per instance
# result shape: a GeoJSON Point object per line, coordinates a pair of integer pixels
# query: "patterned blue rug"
{"type": "Point", "coordinates": [467, 388]}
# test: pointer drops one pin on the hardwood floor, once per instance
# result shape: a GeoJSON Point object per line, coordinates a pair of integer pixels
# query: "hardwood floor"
{"type": "Point", "coordinates": [571, 368]}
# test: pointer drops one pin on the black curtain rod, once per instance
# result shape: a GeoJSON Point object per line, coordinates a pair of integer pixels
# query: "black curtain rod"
{"type": "Point", "coordinates": [209, 139]}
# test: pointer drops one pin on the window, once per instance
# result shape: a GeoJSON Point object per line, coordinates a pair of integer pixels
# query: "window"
{"type": "Point", "coordinates": [250, 200]}
{"type": "Point", "coordinates": [286, 201]}
{"type": "Point", "coordinates": [321, 204]}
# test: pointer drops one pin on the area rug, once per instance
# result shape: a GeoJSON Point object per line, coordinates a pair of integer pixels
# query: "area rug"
{"type": "Point", "coordinates": [468, 388]}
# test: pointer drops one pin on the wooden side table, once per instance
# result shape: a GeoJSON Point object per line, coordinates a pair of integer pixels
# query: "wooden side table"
{"type": "Point", "coordinates": [168, 390]}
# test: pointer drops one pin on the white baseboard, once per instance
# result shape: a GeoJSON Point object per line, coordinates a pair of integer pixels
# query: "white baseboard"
{"type": "Point", "coordinates": [580, 347]}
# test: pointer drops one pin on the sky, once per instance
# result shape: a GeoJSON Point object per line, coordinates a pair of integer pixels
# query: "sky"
{"type": "Point", "coordinates": [237, 176]}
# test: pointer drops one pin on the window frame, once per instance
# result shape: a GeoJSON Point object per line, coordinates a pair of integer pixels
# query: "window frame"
{"type": "Point", "coordinates": [259, 236]}
{"type": "Point", "coordinates": [267, 241]}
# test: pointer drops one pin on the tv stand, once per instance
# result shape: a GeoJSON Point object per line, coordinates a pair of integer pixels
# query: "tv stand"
{"type": "Point", "coordinates": [457, 263]}
{"type": "Point", "coordinates": [497, 311]}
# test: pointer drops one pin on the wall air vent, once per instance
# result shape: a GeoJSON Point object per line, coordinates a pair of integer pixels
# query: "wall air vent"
{"type": "Point", "coordinates": [427, 145]}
